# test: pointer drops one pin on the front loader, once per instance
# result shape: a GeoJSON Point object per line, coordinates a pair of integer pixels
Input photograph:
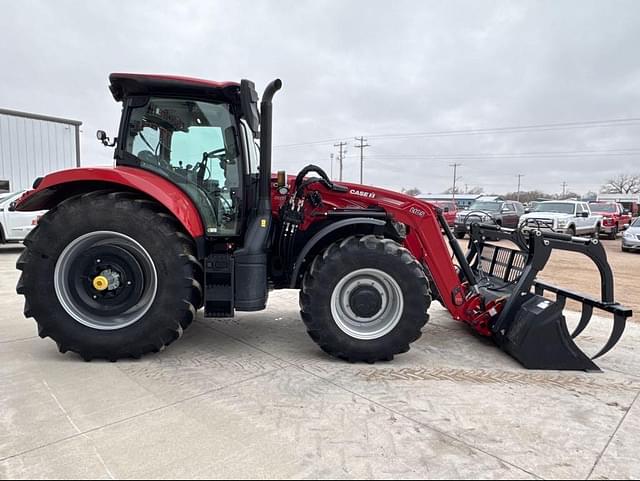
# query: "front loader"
{"type": "Point", "coordinates": [191, 217]}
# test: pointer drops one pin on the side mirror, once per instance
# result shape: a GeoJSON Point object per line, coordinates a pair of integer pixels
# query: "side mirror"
{"type": "Point", "coordinates": [625, 212]}
{"type": "Point", "coordinates": [446, 209]}
{"type": "Point", "coordinates": [230, 144]}
{"type": "Point", "coordinates": [626, 226]}
{"type": "Point", "coordinates": [527, 210]}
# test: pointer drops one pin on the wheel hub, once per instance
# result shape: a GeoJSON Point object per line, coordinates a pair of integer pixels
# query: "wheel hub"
{"type": "Point", "coordinates": [105, 280]}
{"type": "Point", "coordinates": [100, 283]}
{"type": "Point", "coordinates": [367, 304]}
{"type": "Point", "coordinates": [365, 301]}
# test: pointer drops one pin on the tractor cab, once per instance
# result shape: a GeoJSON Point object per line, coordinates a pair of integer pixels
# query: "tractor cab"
{"type": "Point", "coordinates": [196, 134]}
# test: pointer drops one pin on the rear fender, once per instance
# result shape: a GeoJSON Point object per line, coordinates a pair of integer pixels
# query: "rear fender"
{"type": "Point", "coordinates": [51, 190]}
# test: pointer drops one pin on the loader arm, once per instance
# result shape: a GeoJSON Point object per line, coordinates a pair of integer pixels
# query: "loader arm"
{"type": "Point", "coordinates": [497, 294]}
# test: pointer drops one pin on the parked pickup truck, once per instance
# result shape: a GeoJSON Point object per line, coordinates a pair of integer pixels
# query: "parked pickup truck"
{"type": "Point", "coordinates": [614, 217]}
{"type": "Point", "coordinates": [502, 213]}
{"type": "Point", "coordinates": [563, 216]}
{"type": "Point", "coordinates": [449, 210]}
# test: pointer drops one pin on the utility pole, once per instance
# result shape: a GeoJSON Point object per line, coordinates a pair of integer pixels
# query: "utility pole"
{"type": "Point", "coordinates": [341, 156]}
{"type": "Point", "coordinates": [564, 189]}
{"type": "Point", "coordinates": [519, 177]}
{"type": "Point", "coordinates": [455, 178]}
{"type": "Point", "coordinates": [361, 147]}
{"type": "Point", "coordinates": [331, 157]}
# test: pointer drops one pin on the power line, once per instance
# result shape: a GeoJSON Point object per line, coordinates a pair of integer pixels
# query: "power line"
{"type": "Point", "coordinates": [361, 147]}
{"type": "Point", "coordinates": [500, 155]}
{"type": "Point", "coordinates": [489, 130]}
{"type": "Point", "coordinates": [455, 178]}
{"type": "Point", "coordinates": [331, 158]}
{"type": "Point", "coordinates": [519, 179]}
{"type": "Point", "coordinates": [341, 156]}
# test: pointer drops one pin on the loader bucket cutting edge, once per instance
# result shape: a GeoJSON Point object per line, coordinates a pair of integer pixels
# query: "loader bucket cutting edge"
{"type": "Point", "coordinates": [531, 327]}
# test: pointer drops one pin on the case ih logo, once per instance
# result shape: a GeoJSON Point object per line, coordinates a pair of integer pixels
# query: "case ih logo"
{"type": "Point", "coordinates": [418, 212]}
{"type": "Point", "coordinates": [362, 193]}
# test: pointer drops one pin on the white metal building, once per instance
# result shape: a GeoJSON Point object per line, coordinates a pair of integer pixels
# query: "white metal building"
{"type": "Point", "coordinates": [33, 145]}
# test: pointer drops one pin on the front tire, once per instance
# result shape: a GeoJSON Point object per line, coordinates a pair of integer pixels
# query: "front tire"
{"type": "Point", "coordinates": [365, 299]}
{"type": "Point", "coordinates": [109, 275]}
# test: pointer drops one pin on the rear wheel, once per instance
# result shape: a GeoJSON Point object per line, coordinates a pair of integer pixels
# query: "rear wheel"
{"type": "Point", "coordinates": [571, 231]}
{"type": "Point", "coordinates": [365, 299]}
{"type": "Point", "coordinates": [122, 282]}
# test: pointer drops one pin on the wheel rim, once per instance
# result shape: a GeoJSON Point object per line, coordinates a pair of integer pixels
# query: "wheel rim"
{"type": "Point", "coordinates": [367, 304]}
{"type": "Point", "coordinates": [105, 280]}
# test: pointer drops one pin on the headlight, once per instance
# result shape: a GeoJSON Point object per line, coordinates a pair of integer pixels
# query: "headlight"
{"type": "Point", "coordinates": [562, 223]}
{"type": "Point", "coordinates": [628, 235]}
{"type": "Point", "coordinates": [401, 229]}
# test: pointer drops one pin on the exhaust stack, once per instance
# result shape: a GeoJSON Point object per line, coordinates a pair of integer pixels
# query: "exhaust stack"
{"type": "Point", "coordinates": [250, 262]}
{"type": "Point", "coordinates": [266, 131]}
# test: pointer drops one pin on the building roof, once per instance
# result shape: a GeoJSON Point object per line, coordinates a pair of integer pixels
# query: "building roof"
{"type": "Point", "coordinates": [448, 196]}
{"type": "Point", "coordinates": [46, 118]}
{"type": "Point", "coordinates": [620, 197]}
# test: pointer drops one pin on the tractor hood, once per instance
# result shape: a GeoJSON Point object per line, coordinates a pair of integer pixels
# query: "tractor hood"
{"type": "Point", "coordinates": [546, 215]}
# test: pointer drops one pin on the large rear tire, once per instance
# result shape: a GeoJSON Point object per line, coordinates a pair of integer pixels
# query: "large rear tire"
{"type": "Point", "coordinates": [365, 299]}
{"type": "Point", "coordinates": [109, 275]}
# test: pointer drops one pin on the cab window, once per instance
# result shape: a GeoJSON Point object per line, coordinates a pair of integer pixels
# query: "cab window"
{"type": "Point", "coordinates": [194, 144]}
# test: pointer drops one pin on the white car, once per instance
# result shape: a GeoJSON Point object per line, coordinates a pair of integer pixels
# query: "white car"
{"type": "Point", "coordinates": [14, 226]}
{"type": "Point", "coordinates": [562, 216]}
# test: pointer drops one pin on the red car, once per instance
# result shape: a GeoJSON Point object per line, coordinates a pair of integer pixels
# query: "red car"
{"type": "Point", "coordinates": [614, 217]}
{"type": "Point", "coordinates": [449, 208]}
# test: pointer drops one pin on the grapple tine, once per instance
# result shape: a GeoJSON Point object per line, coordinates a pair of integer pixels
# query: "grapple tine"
{"type": "Point", "coordinates": [585, 317]}
{"type": "Point", "coordinates": [532, 327]}
{"type": "Point", "coordinates": [619, 323]}
{"type": "Point", "coordinates": [561, 300]}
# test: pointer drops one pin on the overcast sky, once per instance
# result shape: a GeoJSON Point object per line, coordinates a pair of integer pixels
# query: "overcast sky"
{"type": "Point", "coordinates": [369, 68]}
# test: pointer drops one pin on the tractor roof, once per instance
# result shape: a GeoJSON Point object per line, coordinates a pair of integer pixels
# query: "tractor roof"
{"type": "Point", "coordinates": [126, 84]}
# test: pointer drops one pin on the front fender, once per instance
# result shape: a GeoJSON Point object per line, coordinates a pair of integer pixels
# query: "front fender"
{"type": "Point", "coordinates": [58, 186]}
{"type": "Point", "coordinates": [327, 234]}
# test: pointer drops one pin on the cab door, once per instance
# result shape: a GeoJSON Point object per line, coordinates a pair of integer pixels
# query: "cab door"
{"type": "Point", "coordinates": [583, 224]}
{"type": "Point", "coordinates": [509, 215]}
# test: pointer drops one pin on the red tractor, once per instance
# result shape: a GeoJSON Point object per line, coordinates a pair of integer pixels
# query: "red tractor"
{"type": "Point", "coordinates": [191, 217]}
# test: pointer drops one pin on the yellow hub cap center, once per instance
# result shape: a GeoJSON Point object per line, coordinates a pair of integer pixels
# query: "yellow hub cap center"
{"type": "Point", "coordinates": [100, 283]}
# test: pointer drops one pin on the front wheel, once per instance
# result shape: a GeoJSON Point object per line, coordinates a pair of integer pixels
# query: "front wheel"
{"type": "Point", "coordinates": [365, 299]}
{"type": "Point", "coordinates": [109, 275]}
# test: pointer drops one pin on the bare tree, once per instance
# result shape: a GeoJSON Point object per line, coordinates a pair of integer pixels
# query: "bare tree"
{"type": "Point", "coordinates": [414, 191]}
{"type": "Point", "coordinates": [622, 184]}
{"type": "Point", "coordinates": [526, 196]}
{"type": "Point", "coordinates": [459, 190]}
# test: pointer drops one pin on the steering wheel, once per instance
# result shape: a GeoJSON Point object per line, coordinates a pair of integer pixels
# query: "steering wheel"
{"type": "Point", "coordinates": [150, 158]}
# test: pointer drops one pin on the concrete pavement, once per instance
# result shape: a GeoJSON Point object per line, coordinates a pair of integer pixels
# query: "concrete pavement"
{"type": "Point", "coordinates": [254, 397]}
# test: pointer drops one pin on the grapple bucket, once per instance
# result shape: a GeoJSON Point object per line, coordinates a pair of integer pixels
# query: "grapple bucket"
{"type": "Point", "coordinates": [529, 326]}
